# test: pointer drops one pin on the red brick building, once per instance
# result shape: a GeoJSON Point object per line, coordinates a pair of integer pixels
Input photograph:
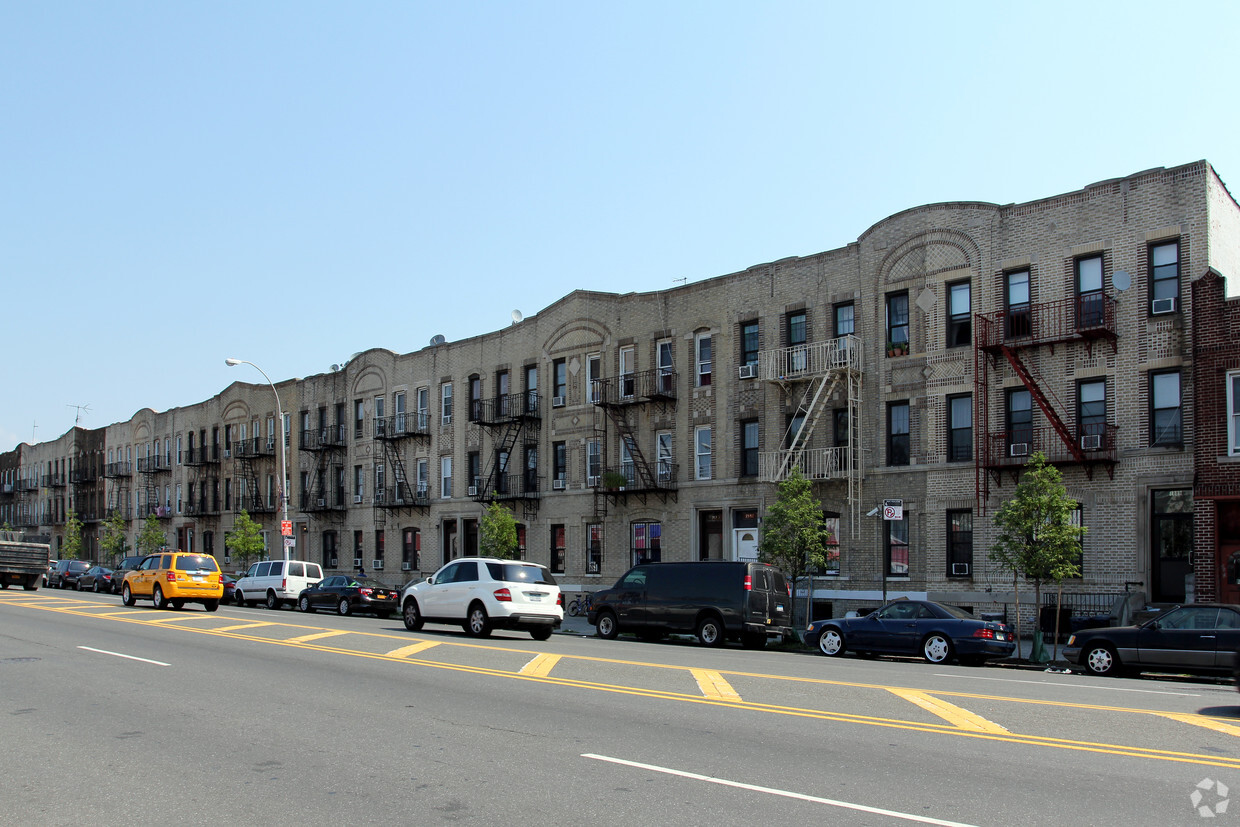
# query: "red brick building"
{"type": "Point", "coordinates": [1216, 494]}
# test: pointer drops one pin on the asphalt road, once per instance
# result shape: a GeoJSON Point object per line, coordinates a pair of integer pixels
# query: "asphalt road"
{"type": "Point", "coordinates": [115, 715]}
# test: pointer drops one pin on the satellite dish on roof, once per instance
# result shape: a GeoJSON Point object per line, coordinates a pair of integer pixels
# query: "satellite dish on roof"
{"type": "Point", "coordinates": [517, 316]}
{"type": "Point", "coordinates": [437, 339]}
{"type": "Point", "coordinates": [1121, 280]}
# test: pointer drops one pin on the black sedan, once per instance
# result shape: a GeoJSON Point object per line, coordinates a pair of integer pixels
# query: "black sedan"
{"type": "Point", "coordinates": [934, 631]}
{"type": "Point", "coordinates": [230, 588]}
{"type": "Point", "coordinates": [1198, 637]}
{"type": "Point", "coordinates": [349, 594]}
{"type": "Point", "coordinates": [96, 579]}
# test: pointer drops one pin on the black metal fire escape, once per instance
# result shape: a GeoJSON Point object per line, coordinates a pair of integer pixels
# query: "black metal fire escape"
{"type": "Point", "coordinates": [515, 422]}
{"type": "Point", "coordinates": [623, 399]}
{"type": "Point", "coordinates": [394, 433]}
{"type": "Point", "coordinates": [327, 445]}
{"type": "Point", "coordinates": [248, 453]}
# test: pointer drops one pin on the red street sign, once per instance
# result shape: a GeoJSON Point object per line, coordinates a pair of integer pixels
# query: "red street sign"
{"type": "Point", "coordinates": [286, 528]}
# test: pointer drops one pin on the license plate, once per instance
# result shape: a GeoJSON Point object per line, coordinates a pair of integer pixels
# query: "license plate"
{"type": "Point", "coordinates": [1000, 636]}
{"type": "Point", "coordinates": [535, 597]}
{"type": "Point", "coordinates": [198, 578]}
{"type": "Point", "coordinates": [779, 608]}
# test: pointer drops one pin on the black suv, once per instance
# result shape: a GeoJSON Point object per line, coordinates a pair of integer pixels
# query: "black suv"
{"type": "Point", "coordinates": [66, 573]}
{"type": "Point", "coordinates": [714, 600]}
{"type": "Point", "coordinates": [127, 565]}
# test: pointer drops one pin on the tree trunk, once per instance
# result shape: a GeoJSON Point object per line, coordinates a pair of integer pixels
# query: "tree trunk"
{"type": "Point", "coordinates": [1016, 594]}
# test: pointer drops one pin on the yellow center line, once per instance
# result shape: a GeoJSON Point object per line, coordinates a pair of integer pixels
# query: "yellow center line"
{"type": "Point", "coordinates": [242, 626]}
{"type": "Point", "coordinates": [713, 685]}
{"type": "Point", "coordinates": [541, 665]}
{"type": "Point", "coordinates": [412, 649]}
{"type": "Point", "coordinates": [951, 713]}
{"type": "Point", "coordinates": [1202, 721]}
{"type": "Point", "coordinates": [317, 636]}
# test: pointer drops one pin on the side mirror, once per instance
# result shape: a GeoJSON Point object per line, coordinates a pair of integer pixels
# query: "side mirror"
{"type": "Point", "coordinates": [430, 578]}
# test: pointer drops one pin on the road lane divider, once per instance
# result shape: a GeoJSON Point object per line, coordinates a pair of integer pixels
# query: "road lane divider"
{"type": "Point", "coordinates": [955, 715]}
{"type": "Point", "coordinates": [713, 685]}
{"type": "Point", "coordinates": [315, 636]}
{"type": "Point", "coordinates": [126, 657]}
{"type": "Point", "coordinates": [541, 665]}
{"type": "Point", "coordinates": [1202, 721]}
{"type": "Point", "coordinates": [412, 649]}
{"type": "Point", "coordinates": [253, 625]}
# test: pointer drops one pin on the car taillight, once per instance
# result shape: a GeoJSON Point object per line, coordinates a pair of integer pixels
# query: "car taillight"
{"type": "Point", "coordinates": [171, 576]}
{"type": "Point", "coordinates": [365, 592]}
{"type": "Point", "coordinates": [989, 634]}
{"type": "Point", "coordinates": [748, 583]}
{"type": "Point", "coordinates": [503, 595]}
{"type": "Point", "coordinates": [284, 585]}
{"type": "Point", "coordinates": [559, 600]}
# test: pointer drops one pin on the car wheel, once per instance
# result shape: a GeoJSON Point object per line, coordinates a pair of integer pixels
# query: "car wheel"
{"type": "Point", "coordinates": [477, 624]}
{"type": "Point", "coordinates": [831, 643]}
{"type": "Point", "coordinates": [606, 626]}
{"type": "Point", "coordinates": [1100, 659]}
{"type": "Point", "coordinates": [541, 633]}
{"type": "Point", "coordinates": [239, 598]}
{"type": "Point", "coordinates": [211, 605]}
{"type": "Point", "coordinates": [97, 589]}
{"type": "Point", "coordinates": [127, 596]}
{"type": "Point", "coordinates": [304, 604]}
{"type": "Point", "coordinates": [273, 602]}
{"type": "Point", "coordinates": [710, 632]}
{"type": "Point", "coordinates": [157, 598]}
{"type": "Point", "coordinates": [413, 617]}
{"type": "Point", "coordinates": [936, 649]}
{"type": "Point", "coordinates": [77, 585]}
{"type": "Point", "coordinates": [343, 606]}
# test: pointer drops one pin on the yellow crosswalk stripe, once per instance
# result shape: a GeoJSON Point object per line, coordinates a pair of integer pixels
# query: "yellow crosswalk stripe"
{"type": "Point", "coordinates": [315, 636]}
{"type": "Point", "coordinates": [1202, 721]}
{"type": "Point", "coordinates": [541, 665]}
{"type": "Point", "coordinates": [413, 649]}
{"type": "Point", "coordinates": [713, 685]}
{"type": "Point", "coordinates": [951, 713]}
{"type": "Point", "coordinates": [243, 626]}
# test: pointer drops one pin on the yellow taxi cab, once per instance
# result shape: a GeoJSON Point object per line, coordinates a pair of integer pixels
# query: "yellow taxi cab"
{"type": "Point", "coordinates": [170, 579]}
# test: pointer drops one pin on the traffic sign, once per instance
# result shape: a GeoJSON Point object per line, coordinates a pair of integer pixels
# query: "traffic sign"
{"type": "Point", "coordinates": [893, 509]}
{"type": "Point", "coordinates": [289, 542]}
{"type": "Point", "coordinates": [286, 528]}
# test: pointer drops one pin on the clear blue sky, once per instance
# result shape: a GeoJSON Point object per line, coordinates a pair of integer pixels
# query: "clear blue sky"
{"type": "Point", "coordinates": [292, 182]}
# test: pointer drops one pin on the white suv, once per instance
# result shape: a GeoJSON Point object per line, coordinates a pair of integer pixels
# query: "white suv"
{"type": "Point", "coordinates": [276, 582]}
{"type": "Point", "coordinates": [485, 593]}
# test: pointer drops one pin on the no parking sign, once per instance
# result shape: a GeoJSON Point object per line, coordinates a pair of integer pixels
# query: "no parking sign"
{"type": "Point", "coordinates": [893, 509]}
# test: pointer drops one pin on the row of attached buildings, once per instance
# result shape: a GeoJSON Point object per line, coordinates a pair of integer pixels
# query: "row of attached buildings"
{"type": "Point", "coordinates": [923, 363]}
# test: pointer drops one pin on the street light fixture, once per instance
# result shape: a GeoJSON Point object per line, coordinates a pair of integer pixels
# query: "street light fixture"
{"type": "Point", "coordinates": [232, 363]}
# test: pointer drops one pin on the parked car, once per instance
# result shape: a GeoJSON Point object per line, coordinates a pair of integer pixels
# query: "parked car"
{"type": "Point", "coordinates": [276, 582]}
{"type": "Point", "coordinates": [1198, 637]}
{"type": "Point", "coordinates": [486, 593]}
{"type": "Point", "coordinates": [51, 567]}
{"type": "Point", "coordinates": [715, 600]}
{"type": "Point", "coordinates": [935, 631]}
{"type": "Point", "coordinates": [96, 579]}
{"type": "Point", "coordinates": [127, 565]}
{"type": "Point", "coordinates": [171, 579]}
{"type": "Point", "coordinates": [350, 594]}
{"type": "Point", "coordinates": [66, 573]}
{"type": "Point", "coordinates": [230, 587]}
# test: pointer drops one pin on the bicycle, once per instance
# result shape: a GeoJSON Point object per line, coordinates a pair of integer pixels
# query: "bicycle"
{"type": "Point", "coordinates": [579, 606]}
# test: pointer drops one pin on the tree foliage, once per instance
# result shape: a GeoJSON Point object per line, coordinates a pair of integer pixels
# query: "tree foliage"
{"type": "Point", "coordinates": [497, 533]}
{"type": "Point", "coordinates": [794, 538]}
{"type": "Point", "coordinates": [150, 537]}
{"type": "Point", "coordinates": [113, 541]}
{"type": "Point", "coordinates": [1035, 536]}
{"type": "Point", "coordinates": [245, 541]}
{"type": "Point", "coordinates": [72, 548]}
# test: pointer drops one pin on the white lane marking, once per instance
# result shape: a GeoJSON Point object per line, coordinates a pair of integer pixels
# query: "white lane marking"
{"type": "Point", "coordinates": [1071, 685]}
{"type": "Point", "coordinates": [127, 657]}
{"type": "Point", "coordinates": [772, 791]}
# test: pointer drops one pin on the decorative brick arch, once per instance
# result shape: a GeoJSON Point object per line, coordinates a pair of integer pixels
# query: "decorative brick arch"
{"type": "Point", "coordinates": [934, 251]}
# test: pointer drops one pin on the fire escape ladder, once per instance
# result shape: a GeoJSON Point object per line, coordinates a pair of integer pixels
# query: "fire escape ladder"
{"type": "Point", "coordinates": [1035, 390]}
{"type": "Point", "coordinates": [399, 494]}
{"type": "Point", "coordinates": [252, 501]}
{"type": "Point", "coordinates": [644, 477]}
{"type": "Point", "coordinates": [812, 403]}
{"type": "Point", "coordinates": [503, 446]}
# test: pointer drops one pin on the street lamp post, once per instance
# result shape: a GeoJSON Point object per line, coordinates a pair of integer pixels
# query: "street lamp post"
{"type": "Point", "coordinates": [283, 444]}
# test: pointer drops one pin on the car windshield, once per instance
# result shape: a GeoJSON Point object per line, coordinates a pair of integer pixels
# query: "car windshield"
{"type": "Point", "coordinates": [520, 573]}
{"type": "Point", "coordinates": [197, 563]}
{"type": "Point", "coordinates": [79, 566]}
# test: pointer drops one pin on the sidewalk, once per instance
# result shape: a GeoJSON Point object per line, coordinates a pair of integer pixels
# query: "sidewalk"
{"type": "Point", "coordinates": [575, 626]}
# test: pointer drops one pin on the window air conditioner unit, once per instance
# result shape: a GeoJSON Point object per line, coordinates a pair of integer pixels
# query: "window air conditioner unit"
{"type": "Point", "coordinates": [228, 453]}
{"type": "Point", "coordinates": [227, 559]}
{"type": "Point", "coordinates": [960, 568]}
{"type": "Point", "coordinates": [357, 562]}
{"type": "Point", "coordinates": [591, 482]}
{"type": "Point", "coordinates": [1091, 442]}
{"type": "Point", "coordinates": [357, 498]}
{"type": "Point", "coordinates": [557, 402]}
{"type": "Point", "coordinates": [473, 491]}
{"type": "Point", "coordinates": [747, 371]}
{"type": "Point", "coordinates": [271, 445]}
{"type": "Point", "coordinates": [322, 503]}
{"type": "Point", "coordinates": [1160, 306]}
{"type": "Point", "coordinates": [558, 485]}
{"type": "Point", "coordinates": [1019, 449]}
{"type": "Point", "coordinates": [332, 562]}
{"type": "Point", "coordinates": [406, 566]}
{"type": "Point", "coordinates": [376, 565]}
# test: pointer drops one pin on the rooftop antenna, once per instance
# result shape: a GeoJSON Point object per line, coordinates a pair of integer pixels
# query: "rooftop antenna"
{"type": "Point", "coordinates": [81, 409]}
{"type": "Point", "coordinates": [684, 280]}
{"type": "Point", "coordinates": [34, 428]}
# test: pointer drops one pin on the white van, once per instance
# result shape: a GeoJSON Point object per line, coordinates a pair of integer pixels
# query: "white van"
{"type": "Point", "coordinates": [268, 581]}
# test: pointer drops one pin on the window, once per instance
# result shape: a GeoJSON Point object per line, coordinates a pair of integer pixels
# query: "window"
{"type": "Point", "coordinates": [626, 459]}
{"type": "Point", "coordinates": [379, 411]}
{"type": "Point", "coordinates": [559, 378]}
{"type": "Point", "coordinates": [897, 547]}
{"type": "Point", "coordinates": [531, 389]}
{"type": "Point", "coordinates": [1165, 408]}
{"type": "Point", "coordinates": [1091, 413]}
{"type": "Point", "coordinates": [1019, 422]}
{"type": "Point", "coordinates": [1172, 543]}
{"type": "Point", "coordinates": [960, 428]}
{"type": "Point", "coordinates": [795, 423]}
{"type": "Point", "coordinates": [424, 479]}
{"type": "Point", "coordinates": [380, 545]}
{"type": "Point", "coordinates": [359, 416]}
{"type": "Point", "coordinates": [358, 547]}
{"type": "Point", "coordinates": [663, 453]}
{"type": "Point", "coordinates": [380, 481]}
{"type": "Point", "coordinates": [797, 332]}
{"type": "Point", "coordinates": [424, 408]}
{"type": "Point", "coordinates": [359, 483]}
{"type": "Point", "coordinates": [445, 395]}
{"type": "Point", "coordinates": [749, 343]}
{"type": "Point", "coordinates": [627, 383]}
{"type": "Point", "coordinates": [411, 549]}
{"type": "Point", "coordinates": [557, 548]}
{"type": "Point", "coordinates": [475, 398]}
{"type": "Point", "coordinates": [897, 319]}
{"type": "Point", "coordinates": [1164, 277]}
{"type": "Point", "coordinates": [594, 372]}
{"type": "Point", "coordinates": [645, 543]}
{"type": "Point", "coordinates": [749, 448]}
{"type": "Point", "coordinates": [559, 463]}
{"type": "Point", "coordinates": [845, 319]}
{"type": "Point", "coordinates": [503, 387]}
{"type": "Point", "coordinates": [473, 470]}
{"type": "Point", "coordinates": [960, 318]}
{"type": "Point", "coordinates": [898, 433]}
{"type": "Point", "coordinates": [960, 543]}
{"type": "Point", "coordinates": [839, 426]}
{"type": "Point", "coordinates": [594, 462]}
{"type": "Point", "coordinates": [701, 442]}
{"type": "Point", "coordinates": [667, 372]}
{"type": "Point", "coordinates": [398, 402]}
{"type": "Point", "coordinates": [1019, 311]}
{"type": "Point", "coordinates": [594, 548]}
{"type": "Point", "coordinates": [445, 477]}
{"type": "Point", "coordinates": [704, 363]}
{"type": "Point", "coordinates": [1233, 414]}
{"type": "Point", "coordinates": [1089, 297]}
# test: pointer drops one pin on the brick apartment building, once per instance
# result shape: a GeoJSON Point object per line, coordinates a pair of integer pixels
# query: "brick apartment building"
{"type": "Point", "coordinates": [924, 362]}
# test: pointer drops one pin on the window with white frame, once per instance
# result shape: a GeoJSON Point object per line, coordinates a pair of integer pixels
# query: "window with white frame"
{"type": "Point", "coordinates": [594, 462]}
{"type": "Point", "coordinates": [594, 372]}
{"type": "Point", "coordinates": [1233, 413]}
{"type": "Point", "coordinates": [627, 358]}
{"type": "Point", "coordinates": [445, 477]}
{"type": "Point", "coordinates": [701, 443]}
{"type": "Point", "coordinates": [446, 401]}
{"type": "Point", "coordinates": [663, 454]}
{"type": "Point", "coordinates": [702, 348]}
{"type": "Point", "coordinates": [424, 478]}
{"type": "Point", "coordinates": [1165, 421]}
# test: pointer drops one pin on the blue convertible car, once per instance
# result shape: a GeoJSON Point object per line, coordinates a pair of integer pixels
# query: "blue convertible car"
{"type": "Point", "coordinates": [934, 631]}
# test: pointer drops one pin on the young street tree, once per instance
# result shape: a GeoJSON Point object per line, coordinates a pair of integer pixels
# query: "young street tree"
{"type": "Point", "coordinates": [1035, 536]}
{"type": "Point", "coordinates": [113, 541]}
{"type": "Point", "coordinates": [72, 548]}
{"type": "Point", "coordinates": [793, 535]}
{"type": "Point", "coordinates": [150, 537]}
{"type": "Point", "coordinates": [245, 540]}
{"type": "Point", "coordinates": [497, 533]}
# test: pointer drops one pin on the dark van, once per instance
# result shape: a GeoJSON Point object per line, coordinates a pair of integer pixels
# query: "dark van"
{"type": "Point", "coordinates": [714, 600]}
